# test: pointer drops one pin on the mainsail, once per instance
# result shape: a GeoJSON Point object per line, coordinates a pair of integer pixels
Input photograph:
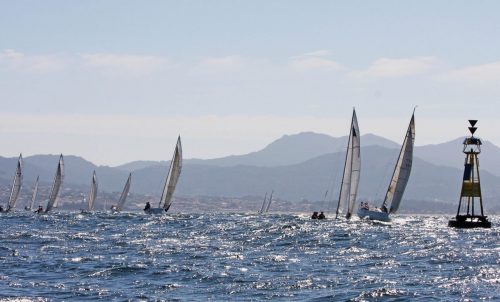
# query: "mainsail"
{"type": "Point", "coordinates": [352, 169]}
{"type": "Point", "coordinates": [269, 202]}
{"type": "Point", "coordinates": [263, 204]}
{"type": "Point", "coordinates": [56, 186]}
{"type": "Point", "coordinates": [35, 193]}
{"type": "Point", "coordinates": [173, 176]}
{"type": "Point", "coordinates": [93, 192]}
{"type": "Point", "coordinates": [124, 195]}
{"type": "Point", "coordinates": [401, 171]}
{"type": "Point", "coordinates": [16, 184]}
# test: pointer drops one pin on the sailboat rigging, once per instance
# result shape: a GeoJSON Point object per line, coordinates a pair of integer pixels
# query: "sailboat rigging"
{"type": "Point", "coordinates": [170, 182]}
{"type": "Point", "coordinates": [93, 193]}
{"type": "Point", "coordinates": [352, 169]}
{"type": "Point", "coordinates": [56, 186]}
{"type": "Point", "coordinates": [16, 185]}
{"type": "Point", "coordinates": [33, 197]}
{"type": "Point", "coordinates": [269, 202]}
{"type": "Point", "coordinates": [399, 179]}
{"type": "Point", "coordinates": [263, 204]}
{"type": "Point", "coordinates": [123, 196]}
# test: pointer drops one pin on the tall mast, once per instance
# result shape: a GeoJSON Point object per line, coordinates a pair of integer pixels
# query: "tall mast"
{"type": "Point", "coordinates": [35, 193]}
{"type": "Point", "coordinates": [16, 184]}
{"type": "Point", "coordinates": [263, 204]}
{"type": "Point", "coordinates": [352, 169]}
{"type": "Point", "coordinates": [402, 170]}
{"type": "Point", "coordinates": [172, 177]}
{"type": "Point", "coordinates": [269, 202]}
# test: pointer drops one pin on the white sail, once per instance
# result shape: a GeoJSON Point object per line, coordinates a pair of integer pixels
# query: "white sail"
{"type": "Point", "coordinates": [269, 202]}
{"type": "Point", "coordinates": [93, 192]}
{"type": "Point", "coordinates": [124, 195]}
{"type": "Point", "coordinates": [35, 193]}
{"type": "Point", "coordinates": [401, 171]}
{"type": "Point", "coordinates": [56, 186]}
{"type": "Point", "coordinates": [16, 184]}
{"type": "Point", "coordinates": [352, 169]}
{"type": "Point", "coordinates": [263, 205]}
{"type": "Point", "coordinates": [172, 178]}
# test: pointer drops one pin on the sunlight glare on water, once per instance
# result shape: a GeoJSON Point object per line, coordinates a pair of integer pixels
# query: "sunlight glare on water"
{"type": "Point", "coordinates": [244, 256]}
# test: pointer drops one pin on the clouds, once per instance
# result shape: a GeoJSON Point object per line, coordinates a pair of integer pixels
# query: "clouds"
{"type": "Point", "coordinates": [316, 60]}
{"type": "Point", "coordinates": [478, 74]}
{"type": "Point", "coordinates": [125, 63]}
{"type": "Point", "coordinates": [399, 67]}
{"type": "Point", "coordinates": [13, 60]}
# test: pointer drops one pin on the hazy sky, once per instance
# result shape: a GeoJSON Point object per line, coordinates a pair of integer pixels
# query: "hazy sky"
{"type": "Point", "coordinates": [116, 81]}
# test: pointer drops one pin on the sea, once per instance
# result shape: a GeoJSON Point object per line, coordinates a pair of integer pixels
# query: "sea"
{"type": "Point", "coordinates": [244, 257]}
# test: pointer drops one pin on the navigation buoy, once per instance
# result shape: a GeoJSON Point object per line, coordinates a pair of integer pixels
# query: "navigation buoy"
{"type": "Point", "coordinates": [467, 216]}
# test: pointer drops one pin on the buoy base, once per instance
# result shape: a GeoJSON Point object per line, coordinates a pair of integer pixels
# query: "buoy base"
{"type": "Point", "coordinates": [469, 222]}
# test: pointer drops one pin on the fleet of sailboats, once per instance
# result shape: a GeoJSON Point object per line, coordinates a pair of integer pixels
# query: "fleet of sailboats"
{"type": "Point", "coordinates": [170, 182]}
{"type": "Point", "coordinates": [399, 179]}
{"type": "Point", "coordinates": [347, 195]}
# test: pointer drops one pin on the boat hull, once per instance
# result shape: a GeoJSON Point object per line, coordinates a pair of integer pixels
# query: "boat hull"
{"type": "Point", "coordinates": [373, 215]}
{"type": "Point", "coordinates": [155, 211]}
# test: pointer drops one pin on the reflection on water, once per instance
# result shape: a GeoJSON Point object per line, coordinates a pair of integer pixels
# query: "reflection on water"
{"type": "Point", "coordinates": [244, 256]}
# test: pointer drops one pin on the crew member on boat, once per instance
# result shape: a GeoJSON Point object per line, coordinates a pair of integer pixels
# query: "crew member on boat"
{"type": "Point", "coordinates": [321, 215]}
{"type": "Point", "coordinates": [147, 207]}
{"type": "Point", "coordinates": [314, 215]}
{"type": "Point", "coordinates": [39, 210]}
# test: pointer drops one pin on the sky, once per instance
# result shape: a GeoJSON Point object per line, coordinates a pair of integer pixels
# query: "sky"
{"type": "Point", "coordinates": [118, 81]}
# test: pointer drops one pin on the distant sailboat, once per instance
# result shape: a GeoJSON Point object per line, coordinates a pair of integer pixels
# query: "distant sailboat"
{"type": "Point", "coordinates": [352, 169]}
{"type": "Point", "coordinates": [263, 204]}
{"type": "Point", "coordinates": [56, 186]}
{"type": "Point", "coordinates": [123, 197]}
{"type": "Point", "coordinates": [16, 185]}
{"type": "Point", "coordinates": [33, 197]}
{"type": "Point", "coordinates": [269, 202]}
{"type": "Point", "coordinates": [170, 182]}
{"type": "Point", "coordinates": [92, 194]}
{"type": "Point", "coordinates": [398, 182]}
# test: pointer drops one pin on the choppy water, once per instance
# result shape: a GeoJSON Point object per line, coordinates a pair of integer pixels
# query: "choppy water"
{"type": "Point", "coordinates": [202, 257]}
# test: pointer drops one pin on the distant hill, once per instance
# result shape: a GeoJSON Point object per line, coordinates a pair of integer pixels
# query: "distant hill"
{"type": "Point", "coordinates": [139, 164]}
{"type": "Point", "coordinates": [287, 150]}
{"type": "Point", "coordinates": [295, 166]}
{"type": "Point", "coordinates": [450, 154]}
{"type": "Point", "coordinates": [309, 180]}
{"type": "Point", "coordinates": [78, 171]}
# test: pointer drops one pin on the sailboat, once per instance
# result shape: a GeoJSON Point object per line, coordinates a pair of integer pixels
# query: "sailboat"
{"type": "Point", "coordinates": [56, 186]}
{"type": "Point", "coordinates": [123, 197]}
{"type": "Point", "coordinates": [92, 194]}
{"type": "Point", "coordinates": [400, 178]}
{"type": "Point", "coordinates": [170, 182]}
{"type": "Point", "coordinates": [33, 197]}
{"type": "Point", "coordinates": [263, 205]}
{"type": "Point", "coordinates": [16, 185]}
{"type": "Point", "coordinates": [352, 169]}
{"type": "Point", "coordinates": [269, 202]}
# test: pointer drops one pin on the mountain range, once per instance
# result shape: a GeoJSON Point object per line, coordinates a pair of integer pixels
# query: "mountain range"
{"type": "Point", "coordinates": [297, 167]}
